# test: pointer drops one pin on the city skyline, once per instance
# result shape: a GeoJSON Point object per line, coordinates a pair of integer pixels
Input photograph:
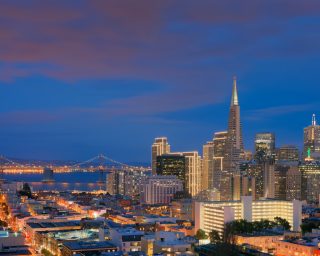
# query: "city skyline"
{"type": "Point", "coordinates": [81, 86]}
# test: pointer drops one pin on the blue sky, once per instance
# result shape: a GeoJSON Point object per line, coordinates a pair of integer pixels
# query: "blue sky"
{"type": "Point", "coordinates": [79, 78]}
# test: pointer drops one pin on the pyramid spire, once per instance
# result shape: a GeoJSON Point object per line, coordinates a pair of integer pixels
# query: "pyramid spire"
{"type": "Point", "coordinates": [234, 98]}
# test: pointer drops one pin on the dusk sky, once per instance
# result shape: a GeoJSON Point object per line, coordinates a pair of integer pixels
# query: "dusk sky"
{"type": "Point", "coordinates": [79, 78]}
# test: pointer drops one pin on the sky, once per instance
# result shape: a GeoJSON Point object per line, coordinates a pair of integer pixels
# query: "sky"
{"type": "Point", "coordinates": [80, 78]}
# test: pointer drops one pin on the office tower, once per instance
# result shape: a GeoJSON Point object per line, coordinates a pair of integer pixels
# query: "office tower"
{"type": "Point", "coordinates": [234, 150]}
{"type": "Point", "coordinates": [219, 146]}
{"type": "Point", "coordinates": [293, 184]}
{"type": "Point", "coordinates": [172, 164]}
{"type": "Point", "coordinates": [287, 182]}
{"type": "Point", "coordinates": [310, 181]}
{"type": "Point", "coordinates": [207, 166]}
{"type": "Point", "coordinates": [159, 147]}
{"type": "Point", "coordinates": [125, 182]}
{"type": "Point", "coordinates": [160, 189]}
{"type": "Point", "coordinates": [242, 186]}
{"type": "Point", "coordinates": [311, 140]}
{"type": "Point", "coordinates": [287, 153]}
{"type": "Point", "coordinates": [268, 179]}
{"type": "Point", "coordinates": [133, 180]}
{"type": "Point", "coordinates": [115, 180]}
{"type": "Point", "coordinates": [280, 181]}
{"type": "Point", "coordinates": [193, 172]}
{"type": "Point", "coordinates": [264, 145]}
{"type": "Point", "coordinates": [254, 170]}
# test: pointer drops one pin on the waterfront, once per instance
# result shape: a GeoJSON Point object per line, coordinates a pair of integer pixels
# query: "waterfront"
{"type": "Point", "coordinates": [81, 181]}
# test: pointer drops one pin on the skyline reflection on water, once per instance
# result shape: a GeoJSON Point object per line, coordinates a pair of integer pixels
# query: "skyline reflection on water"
{"type": "Point", "coordinates": [82, 181]}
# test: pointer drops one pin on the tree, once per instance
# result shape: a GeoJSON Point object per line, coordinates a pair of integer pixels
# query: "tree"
{"type": "Point", "coordinates": [282, 222]}
{"type": "Point", "coordinates": [200, 235]}
{"type": "Point", "coordinates": [307, 227]}
{"type": "Point", "coordinates": [214, 237]}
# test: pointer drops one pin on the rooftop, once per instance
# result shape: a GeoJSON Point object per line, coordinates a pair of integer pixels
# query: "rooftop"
{"type": "Point", "coordinates": [76, 246]}
{"type": "Point", "coordinates": [53, 224]}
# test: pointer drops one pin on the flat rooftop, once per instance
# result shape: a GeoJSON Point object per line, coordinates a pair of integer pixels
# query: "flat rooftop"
{"type": "Point", "coordinates": [53, 224]}
{"type": "Point", "coordinates": [78, 246]}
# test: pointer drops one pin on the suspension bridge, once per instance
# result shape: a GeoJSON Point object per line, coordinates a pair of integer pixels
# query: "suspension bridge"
{"type": "Point", "coordinates": [99, 163]}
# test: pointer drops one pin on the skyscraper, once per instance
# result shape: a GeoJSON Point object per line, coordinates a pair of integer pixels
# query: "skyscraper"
{"type": "Point", "coordinates": [193, 172]}
{"type": "Point", "coordinates": [264, 144]}
{"type": "Point", "coordinates": [172, 164]}
{"type": "Point", "coordinates": [310, 181]}
{"type": "Point", "coordinates": [311, 140]}
{"type": "Point", "coordinates": [159, 147]}
{"type": "Point", "coordinates": [234, 151]}
{"type": "Point", "coordinates": [207, 165]}
{"type": "Point", "coordinates": [219, 146]}
{"type": "Point", "coordinates": [287, 153]}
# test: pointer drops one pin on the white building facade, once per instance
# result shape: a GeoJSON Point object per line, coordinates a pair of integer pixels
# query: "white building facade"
{"type": "Point", "coordinates": [213, 215]}
{"type": "Point", "coordinates": [160, 189]}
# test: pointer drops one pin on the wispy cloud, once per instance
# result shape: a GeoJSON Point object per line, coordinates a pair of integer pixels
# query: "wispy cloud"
{"type": "Point", "coordinates": [270, 112]}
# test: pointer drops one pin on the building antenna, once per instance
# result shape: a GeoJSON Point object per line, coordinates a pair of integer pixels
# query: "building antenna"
{"type": "Point", "coordinates": [314, 120]}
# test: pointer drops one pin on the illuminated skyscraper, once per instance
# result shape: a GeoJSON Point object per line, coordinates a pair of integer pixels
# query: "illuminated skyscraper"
{"type": "Point", "coordinates": [159, 147]}
{"type": "Point", "coordinates": [234, 144]}
{"type": "Point", "coordinates": [310, 181]}
{"type": "Point", "coordinates": [265, 145]}
{"type": "Point", "coordinates": [186, 166]}
{"type": "Point", "coordinates": [287, 153]}
{"type": "Point", "coordinates": [207, 165]}
{"type": "Point", "coordinates": [234, 151]}
{"type": "Point", "coordinates": [219, 146]}
{"type": "Point", "coordinates": [311, 140]}
{"type": "Point", "coordinates": [193, 172]}
{"type": "Point", "coordinates": [172, 164]}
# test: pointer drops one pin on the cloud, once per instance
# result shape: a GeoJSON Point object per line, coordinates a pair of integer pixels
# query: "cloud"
{"type": "Point", "coordinates": [190, 48]}
{"type": "Point", "coordinates": [270, 112]}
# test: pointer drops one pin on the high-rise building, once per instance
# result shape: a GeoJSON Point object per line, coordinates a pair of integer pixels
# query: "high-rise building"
{"type": "Point", "coordinates": [187, 166]}
{"type": "Point", "coordinates": [268, 179]}
{"type": "Point", "coordinates": [172, 164]}
{"type": "Point", "coordinates": [293, 184]}
{"type": "Point", "coordinates": [311, 140]}
{"type": "Point", "coordinates": [287, 153]}
{"type": "Point", "coordinates": [280, 181]}
{"type": "Point", "coordinates": [264, 145]}
{"type": "Point", "coordinates": [160, 189]}
{"type": "Point", "coordinates": [255, 170]}
{"type": "Point", "coordinates": [193, 172]}
{"type": "Point", "coordinates": [125, 182]}
{"type": "Point", "coordinates": [207, 165]}
{"type": "Point", "coordinates": [219, 146]}
{"type": "Point", "coordinates": [242, 186]}
{"type": "Point", "coordinates": [287, 182]}
{"type": "Point", "coordinates": [310, 181]}
{"type": "Point", "coordinates": [159, 147]}
{"type": "Point", "coordinates": [234, 150]}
